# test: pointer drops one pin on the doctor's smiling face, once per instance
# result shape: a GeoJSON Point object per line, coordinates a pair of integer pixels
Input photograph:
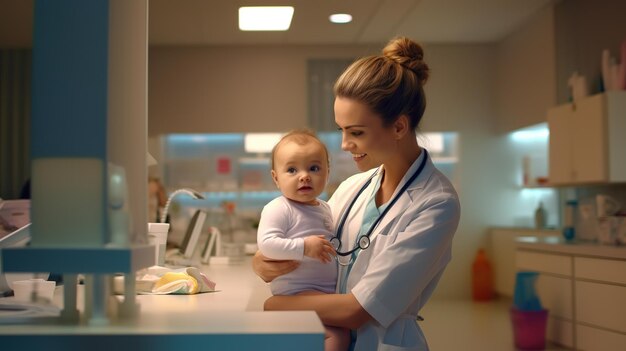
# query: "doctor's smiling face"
{"type": "Point", "coordinates": [363, 133]}
{"type": "Point", "coordinates": [300, 168]}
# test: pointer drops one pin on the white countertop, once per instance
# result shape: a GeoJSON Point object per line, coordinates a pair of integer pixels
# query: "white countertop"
{"type": "Point", "coordinates": [231, 317]}
{"type": "Point", "coordinates": [238, 289]}
{"type": "Point", "coordinates": [557, 244]}
{"type": "Point", "coordinates": [547, 231]}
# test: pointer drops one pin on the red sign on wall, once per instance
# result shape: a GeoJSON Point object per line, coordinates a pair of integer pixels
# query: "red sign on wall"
{"type": "Point", "coordinates": [223, 165]}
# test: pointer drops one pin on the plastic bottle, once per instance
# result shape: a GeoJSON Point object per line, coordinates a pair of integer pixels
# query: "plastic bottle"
{"type": "Point", "coordinates": [540, 216]}
{"type": "Point", "coordinates": [569, 220]}
{"type": "Point", "coordinates": [482, 278]}
{"type": "Point", "coordinates": [525, 297]}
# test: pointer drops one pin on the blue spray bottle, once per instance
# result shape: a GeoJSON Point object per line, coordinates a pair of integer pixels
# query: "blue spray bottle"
{"type": "Point", "coordinates": [569, 220]}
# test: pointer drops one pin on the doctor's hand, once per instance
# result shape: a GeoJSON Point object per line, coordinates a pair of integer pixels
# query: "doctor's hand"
{"type": "Point", "coordinates": [269, 269]}
{"type": "Point", "coordinates": [316, 246]}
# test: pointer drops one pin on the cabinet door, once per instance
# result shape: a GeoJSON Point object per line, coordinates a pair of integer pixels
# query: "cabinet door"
{"type": "Point", "coordinates": [544, 263]}
{"type": "Point", "coordinates": [560, 151]}
{"type": "Point", "coordinates": [593, 339]}
{"type": "Point", "coordinates": [560, 331]}
{"type": "Point", "coordinates": [554, 285]}
{"type": "Point", "coordinates": [601, 305]}
{"type": "Point", "coordinates": [555, 294]}
{"type": "Point", "coordinates": [579, 140]}
{"type": "Point", "coordinates": [605, 270]}
{"type": "Point", "coordinates": [589, 153]}
{"type": "Point", "coordinates": [616, 129]}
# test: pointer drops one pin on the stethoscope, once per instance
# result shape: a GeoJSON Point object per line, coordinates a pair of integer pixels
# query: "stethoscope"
{"type": "Point", "coordinates": [364, 240]}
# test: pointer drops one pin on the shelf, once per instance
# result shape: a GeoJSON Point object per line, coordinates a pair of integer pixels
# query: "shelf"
{"type": "Point", "coordinates": [255, 160]}
{"type": "Point", "coordinates": [244, 199]}
{"type": "Point", "coordinates": [539, 186]}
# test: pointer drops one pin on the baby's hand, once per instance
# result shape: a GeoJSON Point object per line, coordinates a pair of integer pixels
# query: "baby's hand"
{"type": "Point", "coordinates": [315, 246]}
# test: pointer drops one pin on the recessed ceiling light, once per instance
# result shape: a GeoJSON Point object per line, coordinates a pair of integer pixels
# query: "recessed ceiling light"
{"type": "Point", "coordinates": [265, 17]}
{"type": "Point", "coordinates": [340, 18]}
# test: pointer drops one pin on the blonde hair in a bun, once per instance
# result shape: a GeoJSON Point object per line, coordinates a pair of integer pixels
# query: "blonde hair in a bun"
{"type": "Point", "coordinates": [390, 84]}
{"type": "Point", "coordinates": [408, 54]}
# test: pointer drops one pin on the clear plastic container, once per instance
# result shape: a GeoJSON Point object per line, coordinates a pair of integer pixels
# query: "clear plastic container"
{"type": "Point", "coordinates": [23, 289]}
{"type": "Point", "coordinates": [157, 236]}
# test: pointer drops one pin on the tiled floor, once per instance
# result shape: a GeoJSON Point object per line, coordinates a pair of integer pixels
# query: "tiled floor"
{"type": "Point", "coordinates": [462, 325]}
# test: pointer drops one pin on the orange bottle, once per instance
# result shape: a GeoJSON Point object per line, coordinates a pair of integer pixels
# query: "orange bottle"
{"type": "Point", "coordinates": [482, 278]}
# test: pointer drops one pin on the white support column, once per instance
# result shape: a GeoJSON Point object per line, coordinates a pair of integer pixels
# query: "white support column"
{"type": "Point", "coordinates": [70, 312]}
{"type": "Point", "coordinates": [128, 105]}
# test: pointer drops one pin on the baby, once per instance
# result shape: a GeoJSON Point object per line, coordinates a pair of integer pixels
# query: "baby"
{"type": "Point", "coordinates": [298, 225]}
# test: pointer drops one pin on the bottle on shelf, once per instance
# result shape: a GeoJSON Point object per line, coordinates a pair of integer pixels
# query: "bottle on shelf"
{"type": "Point", "coordinates": [482, 278]}
{"type": "Point", "coordinates": [540, 216]}
{"type": "Point", "coordinates": [526, 171]}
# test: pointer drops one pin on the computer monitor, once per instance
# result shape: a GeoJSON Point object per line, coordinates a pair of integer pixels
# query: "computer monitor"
{"type": "Point", "coordinates": [194, 229]}
{"type": "Point", "coordinates": [212, 246]}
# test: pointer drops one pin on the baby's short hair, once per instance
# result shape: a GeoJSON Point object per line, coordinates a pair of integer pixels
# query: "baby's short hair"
{"type": "Point", "coordinates": [300, 137]}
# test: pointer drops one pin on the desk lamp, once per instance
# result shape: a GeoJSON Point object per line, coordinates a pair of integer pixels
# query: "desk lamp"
{"type": "Point", "coordinates": [196, 195]}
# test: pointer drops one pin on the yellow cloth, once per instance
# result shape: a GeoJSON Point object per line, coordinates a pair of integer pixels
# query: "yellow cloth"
{"type": "Point", "coordinates": [183, 282]}
{"type": "Point", "coordinates": [157, 280]}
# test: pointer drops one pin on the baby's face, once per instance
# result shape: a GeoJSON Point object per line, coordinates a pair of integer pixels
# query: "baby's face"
{"type": "Point", "coordinates": [300, 171]}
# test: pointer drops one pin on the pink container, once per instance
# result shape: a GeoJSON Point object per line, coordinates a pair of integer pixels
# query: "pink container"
{"type": "Point", "coordinates": [529, 328]}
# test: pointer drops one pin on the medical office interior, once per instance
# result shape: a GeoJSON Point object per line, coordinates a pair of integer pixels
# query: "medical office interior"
{"type": "Point", "coordinates": [526, 114]}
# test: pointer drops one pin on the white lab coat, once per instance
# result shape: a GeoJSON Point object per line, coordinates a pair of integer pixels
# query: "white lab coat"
{"type": "Point", "coordinates": [409, 250]}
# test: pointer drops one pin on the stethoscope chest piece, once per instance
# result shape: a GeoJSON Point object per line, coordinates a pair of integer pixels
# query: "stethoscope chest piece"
{"type": "Point", "coordinates": [364, 242]}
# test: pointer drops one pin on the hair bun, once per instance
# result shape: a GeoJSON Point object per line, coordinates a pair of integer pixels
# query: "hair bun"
{"type": "Point", "coordinates": [409, 54]}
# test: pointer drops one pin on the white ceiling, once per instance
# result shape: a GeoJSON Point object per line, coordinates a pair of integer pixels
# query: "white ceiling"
{"type": "Point", "coordinates": [214, 22]}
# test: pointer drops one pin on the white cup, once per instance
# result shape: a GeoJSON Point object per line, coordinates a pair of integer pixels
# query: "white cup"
{"type": "Point", "coordinates": [157, 236]}
{"type": "Point", "coordinates": [22, 289]}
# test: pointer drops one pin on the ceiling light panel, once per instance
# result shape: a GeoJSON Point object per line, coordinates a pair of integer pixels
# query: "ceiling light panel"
{"type": "Point", "coordinates": [265, 18]}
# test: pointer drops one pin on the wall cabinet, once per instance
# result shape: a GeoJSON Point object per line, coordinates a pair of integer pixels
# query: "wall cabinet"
{"type": "Point", "coordinates": [587, 139]}
{"type": "Point", "coordinates": [584, 294]}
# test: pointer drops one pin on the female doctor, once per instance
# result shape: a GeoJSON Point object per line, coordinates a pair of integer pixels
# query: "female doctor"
{"type": "Point", "coordinates": [395, 220]}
